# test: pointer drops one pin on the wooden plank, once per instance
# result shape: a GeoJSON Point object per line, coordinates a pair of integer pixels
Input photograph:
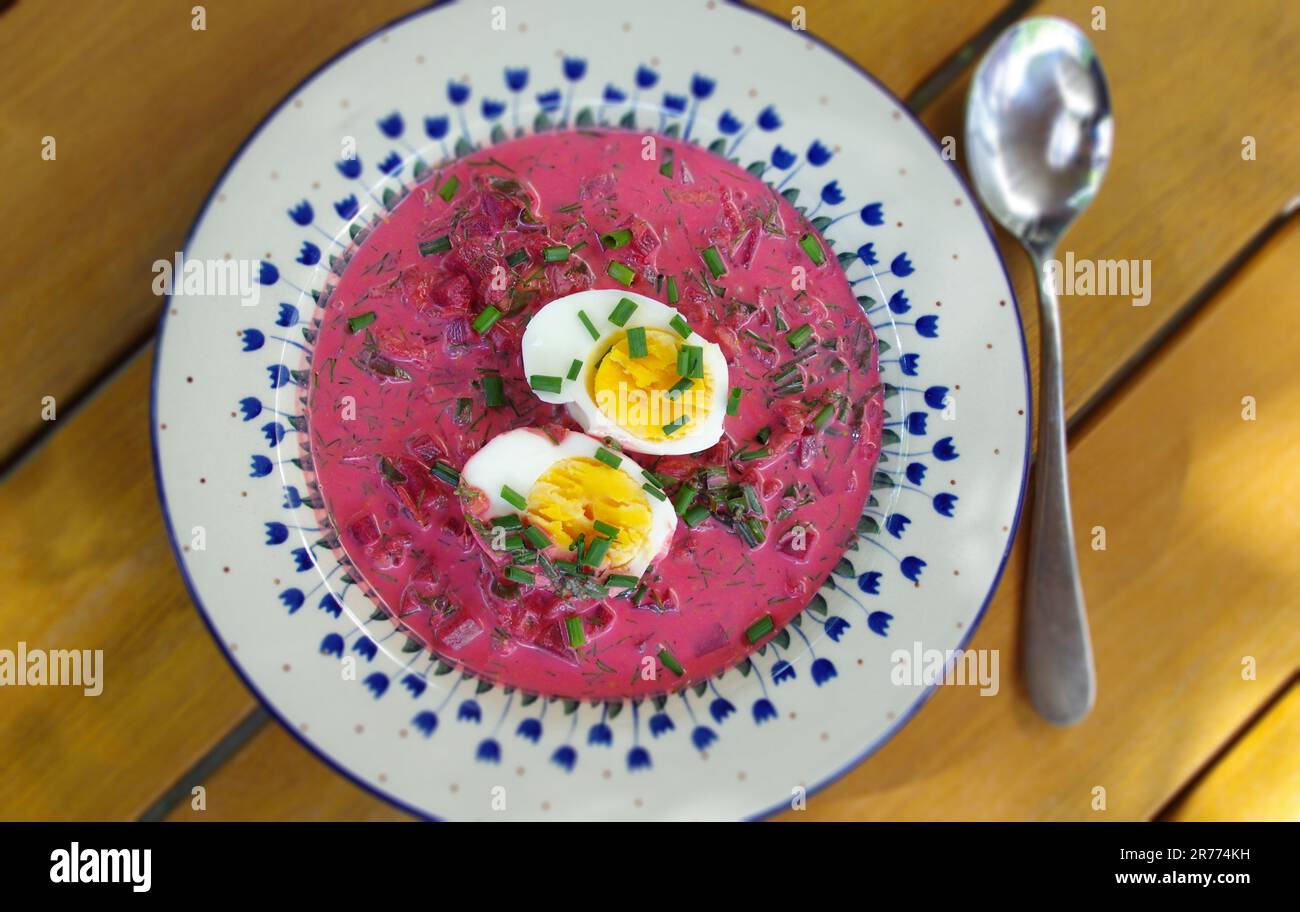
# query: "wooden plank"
{"type": "Point", "coordinates": [1259, 779]}
{"type": "Point", "coordinates": [1199, 571]}
{"type": "Point", "coordinates": [107, 580]}
{"type": "Point", "coordinates": [86, 565]}
{"type": "Point", "coordinates": [141, 156]}
{"type": "Point", "coordinates": [1178, 192]}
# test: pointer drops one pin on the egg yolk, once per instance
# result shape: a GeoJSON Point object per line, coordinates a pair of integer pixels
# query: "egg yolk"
{"type": "Point", "coordinates": [568, 498]}
{"type": "Point", "coordinates": [634, 392]}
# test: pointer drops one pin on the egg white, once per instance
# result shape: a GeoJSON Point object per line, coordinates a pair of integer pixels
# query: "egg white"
{"type": "Point", "coordinates": [555, 337]}
{"type": "Point", "coordinates": [518, 458]}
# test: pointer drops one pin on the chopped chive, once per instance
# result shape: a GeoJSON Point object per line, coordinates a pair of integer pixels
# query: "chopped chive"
{"type": "Point", "coordinates": [555, 254]}
{"type": "Point", "coordinates": [750, 455]}
{"type": "Point", "coordinates": [520, 575]}
{"type": "Point", "coordinates": [513, 497]}
{"type": "Point", "coordinates": [781, 325]}
{"type": "Point", "coordinates": [595, 552]}
{"type": "Point", "coordinates": [569, 567]}
{"type": "Point", "coordinates": [636, 343]}
{"type": "Point", "coordinates": [494, 390]}
{"type": "Point", "coordinates": [610, 459]}
{"type": "Point", "coordinates": [680, 387]}
{"type": "Point", "coordinates": [654, 491]}
{"type": "Point", "coordinates": [760, 628]}
{"type": "Point", "coordinates": [574, 369]}
{"type": "Point", "coordinates": [586, 321]}
{"type": "Point", "coordinates": [798, 338]}
{"type": "Point", "coordinates": [509, 521]}
{"type": "Point", "coordinates": [621, 580]}
{"type": "Point", "coordinates": [673, 297]}
{"type": "Point", "coordinates": [713, 260]}
{"type": "Point", "coordinates": [537, 538]}
{"type": "Point", "coordinates": [684, 497]}
{"type": "Point", "coordinates": [690, 361]}
{"type": "Point", "coordinates": [733, 401]}
{"type": "Point", "coordinates": [620, 237]}
{"type": "Point", "coordinates": [573, 626]}
{"type": "Point", "coordinates": [464, 408]}
{"type": "Point", "coordinates": [544, 383]}
{"type": "Point", "coordinates": [445, 472]}
{"type": "Point", "coordinates": [752, 500]}
{"type": "Point", "coordinates": [621, 273]}
{"type": "Point", "coordinates": [753, 532]}
{"type": "Point", "coordinates": [622, 311]}
{"type": "Point", "coordinates": [440, 244]}
{"type": "Point", "coordinates": [449, 188]}
{"type": "Point", "coordinates": [811, 247]}
{"type": "Point", "coordinates": [759, 340]}
{"type": "Point", "coordinates": [361, 321]}
{"type": "Point", "coordinates": [823, 416]}
{"type": "Point", "coordinates": [519, 256]}
{"type": "Point", "coordinates": [486, 320]}
{"type": "Point", "coordinates": [696, 515]}
{"type": "Point", "coordinates": [666, 169]}
{"type": "Point", "coordinates": [680, 326]}
{"type": "Point", "coordinates": [606, 529]}
{"type": "Point", "coordinates": [514, 542]}
{"type": "Point", "coordinates": [763, 435]}
{"type": "Point", "coordinates": [580, 547]}
{"type": "Point", "coordinates": [670, 662]}
{"type": "Point", "coordinates": [676, 425]}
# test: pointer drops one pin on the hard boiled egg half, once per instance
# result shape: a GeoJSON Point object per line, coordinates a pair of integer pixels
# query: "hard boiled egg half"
{"type": "Point", "coordinates": [575, 487]}
{"type": "Point", "coordinates": [629, 368]}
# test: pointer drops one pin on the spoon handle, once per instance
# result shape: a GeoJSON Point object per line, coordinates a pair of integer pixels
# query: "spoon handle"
{"type": "Point", "coordinates": [1058, 653]}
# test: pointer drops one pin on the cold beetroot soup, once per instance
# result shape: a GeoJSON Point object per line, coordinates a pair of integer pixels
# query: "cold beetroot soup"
{"type": "Point", "coordinates": [619, 570]}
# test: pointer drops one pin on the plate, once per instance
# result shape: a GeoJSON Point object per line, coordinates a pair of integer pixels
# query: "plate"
{"type": "Point", "coordinates": [340, 151]}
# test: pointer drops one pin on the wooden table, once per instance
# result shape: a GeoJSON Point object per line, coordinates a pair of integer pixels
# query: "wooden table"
{"type": "Point", "coordinates": [1201, 507]}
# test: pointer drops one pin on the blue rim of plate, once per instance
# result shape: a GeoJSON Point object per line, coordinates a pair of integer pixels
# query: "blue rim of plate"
{"type": "Point", "coordinates": [267, 705]}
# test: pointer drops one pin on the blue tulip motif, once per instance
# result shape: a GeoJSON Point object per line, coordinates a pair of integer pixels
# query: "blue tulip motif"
{"type": "Point", "coordinates": [896, 524]}
{"type": "Point", "coordinates": [489, 751]}
{"type": "Point", "coordinates": [366, 648]}
{"type": "Point", "coordinates": [251, 407]}
{"type": "Point", "coordinates": [763, 711]}
{"type": "Point", "coordinates": [702, 736]}
{"type": "Point", "coordinates": [783, 671]}
{"type": "Point", "coordinates": [308, 256]}
{"type": "Point", "coordinates": [391, 164]}
{"type": "Point", "coordinates": [530, 730]}
{"type": "Point", "coordinates": [901, 266]}
{"type": "Point", "coordinates": [492, 109]}
{"type": "Point", "coordinates": [831, 194]}
{"type": "Point", "coordinates": [574, 68]}
{"type": "Point", "coordinates": [302, 559]}
{"type": "Point", "coordinates": [377, 683]}
{"type": "Point", "coordinates": [436, 128]}
{"type": "Point", "coordinates": [293, 599]}
{"type": "Point", "coordinates": [768, 119]}
{"type": "Point", "coordinates": [457, 92]}
{"type": "Point", "coordinates": [613, 95]}
{"type": "Point", "coordinates": [835, 627]}
{"type": "Point", "coordinates": [869, 582]}
{"type": "Point", "coordinates": [911, 568]}
{"type": "Point", "coordinates": [278, 373]}
{"type": "Point", "coordinates": [873, 214]}
{"type": "Point", "coordinates": [944, 450]}
{"type": "Point", "coordinates": [909, 363]}
{"type": "Point", "coordinates": [516, 79]}
{"type": "Point", "coordinates": [728, 125]}
{"type": "Point", "coordinates": [392, 125]}
{"type": "Point", "coordinates": [276, 533]}
{"type": "Point", "coordinates": [329, 604]}
{"type": "Point", "coordinates": [273, 432]}
{"type": "Point", "coordinates": [818, 154]}
{"type": "Point", "coordinates": [347, 207]}
{"type": "Point", "coordinates": [898, 303]}
{"type": "Point", "coordinates": [332, 645]}
{"type": "Point", "coordinates": [426, 722]}
{"type": "Point", "coordinates": [469, 711]}
{"type": "Point", "coordinates": [550, 101]}
{"type": "Point", "coordinates": [349, 167]}
{"type": "Point", "coordinates": [944, 503]}
{"type": "Point", "coordinates": [302, 214]}
{"type": "Point", "coordinates": [565, 757]}
{"type": "Point", "coordinates": [782, 157]}
{"type": "Point", "coordinates": [822, 671]}
{"type": "Point", "coordinates": [261, 468]}
{"type": "Point", "coordinates": [267, 274]}
{"type": "Point", "coordinates": [867, 254]}
{"type": "Point", "coordinates": [292, 499]}
{"type": "Point", "coordinates": [720, 708]}
{"type": "Point", "coordinates": [288, 315]}
{"type": "Point", "coordinates": [936, 397]}
{"type": "Point", "coordinates": [660, 723]}
{"type": "Point", "coordinates": [915, 472]}
{"type": "Point", "coordinates": [600, 734]}
{"type": "Point", "coordinates": [646, 78]}
{"type": "Point", "coordinates": [638, 758]}
{"type": "Point", "coordinates": [415, 685]}
{"type": "Point", "coordinates": [878, 622]}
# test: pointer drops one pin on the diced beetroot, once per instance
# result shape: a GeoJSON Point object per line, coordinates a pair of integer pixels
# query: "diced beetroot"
{"type": "Point", "coordinates": [598, 620]}
{"type": "Point", "coordinates": [676, 466]}
{"type": "Point", "coordinates": [807, 448]}
{"type": "Point", "coordinates": [797, 541]}
{"type": "Point", "coordinates": [501, 210]}
{"type": "Point", "coordinates": [416, 286]}
{"type": "Point", "coordinates": [455, 292]}
{"type": "Point", "coordinates": [743, 255]}
{"type": "Point", "coordinates": [390, 551]}
{"type": "Point", "coordinates": [400, 345]}
{"type": "Point", "coordinates": [459, 631]}
{"type": "Point", "coordinates": [424, 448]}
{"type": "Point", "coordinates": [729, 215]}
{"type": "Point", "coordinates": [569, 278]}
{"type": "Point", "coordinates": [554, 640]}
{"type": "Point", "coordinates": [364, 529]}
{"type": "Point", "coordinates": [418, 492]}
{"type": "Point", "coordinates": [710, 639]}
{"type": "Point", "coordinates": [729, 342]}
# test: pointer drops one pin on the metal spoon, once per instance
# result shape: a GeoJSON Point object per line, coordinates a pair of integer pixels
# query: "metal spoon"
{"type": "Point", "coordinates": [1038, 139]}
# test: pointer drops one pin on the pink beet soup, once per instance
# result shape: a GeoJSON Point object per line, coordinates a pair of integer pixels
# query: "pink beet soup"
{"type": "Point", "coordinates": [397, 405]}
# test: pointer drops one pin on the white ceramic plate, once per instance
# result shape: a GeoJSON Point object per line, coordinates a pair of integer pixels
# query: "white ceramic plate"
{"type": "Point", "coordinates": [227, 411]}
